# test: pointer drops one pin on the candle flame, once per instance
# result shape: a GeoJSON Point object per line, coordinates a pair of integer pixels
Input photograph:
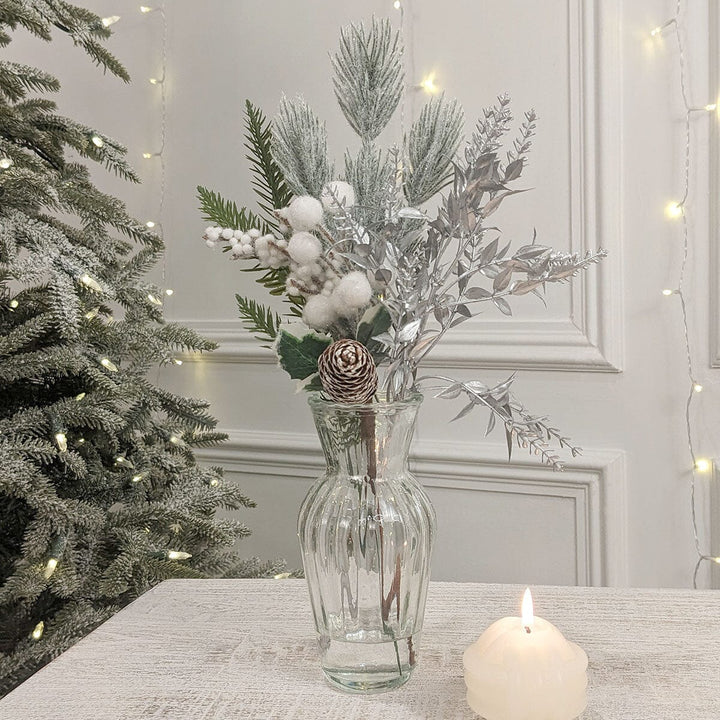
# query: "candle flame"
{"type": "Point", "coordinates": [527, 610]}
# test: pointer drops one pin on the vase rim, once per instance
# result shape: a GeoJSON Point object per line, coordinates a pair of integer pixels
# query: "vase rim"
{"type": "Point", "coordinates": [316, 400]}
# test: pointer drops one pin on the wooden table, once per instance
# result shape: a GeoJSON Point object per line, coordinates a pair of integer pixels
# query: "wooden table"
{"type": "Point", "coordinates": [212, 649]}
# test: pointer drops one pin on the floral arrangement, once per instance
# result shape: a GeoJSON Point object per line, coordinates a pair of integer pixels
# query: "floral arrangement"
{"type": "Point", "coordinates": [373, 280]}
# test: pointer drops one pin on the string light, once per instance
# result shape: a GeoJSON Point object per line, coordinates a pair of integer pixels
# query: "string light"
{"type": "Point", "coordinates": [169, 291]}
{"type": "Point", "coordinates": [97, 141]}
{"type": "Point", "coordinates": [667, 292]}
{"type": "Point", "coordinates": [123, 461]}
{"type": "Point", "coordinates": [703, 465]}
{"type": "Point", "coordinates": [50, 567]}
{"type": "Point", "coordinates": [429, 85]}
{"type": "Point", "coordinates": [109, 364]}
{"type": "Point", "coordinates": [61, 440]}
{"type": "Point", "coordinates": [176, 439]}
{"type": "Point", "coordinates": [396, 4]}
{"type": "Point", "coordinates": [5, 163]}
{"type": "Point", "coordinates": [177, 361]}
{"type": "Point", "coordinates": [80, 396]}
{"type": "Point", "coordinates": [150, 224]}
{"type": "Point", "coordinates": [81, 441]}
{"type": "Point", "coordinates": [676, 210]}
{"type": "Point", "coordinates": [711, 107]}
{"type": "Point", "coordinates": [148, 155]}
{"type": "Point", "coordinates": [111, 20]}
{"type": "Point", "coordinates": [214, 482]}
{"type": "Point", "coordinates": [156, 81]}
{"type": "Point", "coordinates": [86, 280]}
{"type": "Point", "coordinates": [137, 478]}
{"type": "Point", "coordinates": [154, 299]}
{"type": "Point", "coordinates": [37, 633]}
{"type": "Point", "coordinates": [14, 304]}
{"type": "Point", "coordinates": [145, 9]}
{"type": "Point", "coordinates": [282, 576]}
{"type": "Point", "coordinates": [178, 555]}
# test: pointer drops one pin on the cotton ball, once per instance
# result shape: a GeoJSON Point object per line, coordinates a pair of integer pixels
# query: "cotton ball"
{"type": "Point", "coordinates": [237, 251]}
{"type": "Point", "coordinates": [210, 243]}
{"type": "Point", "coordinates": [254, 233]}
{"type": "Point", "coordinates": [304, 248]}
{"type": "Point", "coordinates": [213, 233]}
{"type": "Point", "coordinates": [304, 213]}
{"type": "Point", "coordinates": [352, 293]}
{"type": "Point", "coordinates": [233, 241]}
{"type": "Point", "coordinates": [227, 233]}
{"type": "Point", "coordinates": [319, 313]}
{"type": "Point", "coordinates": [336, 195]}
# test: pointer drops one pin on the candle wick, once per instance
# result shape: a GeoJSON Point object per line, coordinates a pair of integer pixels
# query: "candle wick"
{"type": "Point", "coordinates": [527, 629]}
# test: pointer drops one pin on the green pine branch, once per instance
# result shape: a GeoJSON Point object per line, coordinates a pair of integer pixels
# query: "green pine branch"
{"type": "Point", "coordinates": [268, 182]}
{"type": "Point", "coordinates": [259, 319]}
{"type": "Point", "coordinates": [226, 214]}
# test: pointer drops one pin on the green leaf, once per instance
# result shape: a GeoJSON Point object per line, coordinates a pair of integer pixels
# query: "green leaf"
{"type": "Point", "coordinates": [269, 182]}
{"type": "Point", "coordinates": [375, 321]}
{"type": "Point", "coordinates": [258, 319]}
{"type": "Point", "coordinates": [299, 356]}
{"type": "Point", "coordinates": [225, 213]}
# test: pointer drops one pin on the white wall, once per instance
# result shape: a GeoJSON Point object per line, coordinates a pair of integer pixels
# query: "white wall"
{"type": "Point", "coordinates": [605, 360]}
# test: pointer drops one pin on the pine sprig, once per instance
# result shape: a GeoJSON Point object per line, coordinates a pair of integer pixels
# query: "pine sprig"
{"type": "Point", "coordinates": [268, 182]}
{"type": "Point", "coordinates": [226, 214]}
{"type": "Point", "coordinates": [257, 318]}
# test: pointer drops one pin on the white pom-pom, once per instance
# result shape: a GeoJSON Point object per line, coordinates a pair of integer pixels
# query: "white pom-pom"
{"type": "Point", "coordinates": [304, 248]}
{"type": "Point", "coordinates": [254, 233]}
{"type": "Point", "coordinates": [213, 233]}
{"type": "Point", "coordinates": [352, 293]}
{"type": "Point", "coordinates": [227, 233]}
{"type": "Point", "coordinates": [304, 213]}
{"type": "Point", "coordinates": [283, 228]}
{"type": "Point", "coordinates": [233, 241]}
{"type": "Point", "coordinates": [319, 313]}
{"type": "Point", "coordinates": [336, 195]}
{"type": "Point", "coordinates": [210, 243]}
{"type": "Point", "coordinates": [237, 250]}
{"type": "Point", "coordinates": [237, 234]}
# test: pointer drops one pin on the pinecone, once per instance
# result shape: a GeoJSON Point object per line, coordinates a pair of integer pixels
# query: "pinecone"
{"type": "Point", "coordinates": [347, 372]}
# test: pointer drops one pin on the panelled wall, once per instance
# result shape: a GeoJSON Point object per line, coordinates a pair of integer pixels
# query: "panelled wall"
{"type": "Point", "coordinates": [604, 359]}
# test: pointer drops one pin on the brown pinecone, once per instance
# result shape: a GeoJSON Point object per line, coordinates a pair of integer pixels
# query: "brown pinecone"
{"type": "Point", "coordinates": [347, 372]}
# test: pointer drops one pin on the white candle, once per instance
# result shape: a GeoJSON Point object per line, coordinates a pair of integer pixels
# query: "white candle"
{"type": "Point", "coordinates": [525, 669]}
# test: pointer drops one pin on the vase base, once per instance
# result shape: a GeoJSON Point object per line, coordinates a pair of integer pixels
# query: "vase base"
{"type": "Point", "coordinates": [369, 667]}
{"type": "Point", "coordinates": [367, 683]}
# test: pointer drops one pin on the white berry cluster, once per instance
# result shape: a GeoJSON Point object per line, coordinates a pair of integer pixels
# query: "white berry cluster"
{"type": "Point", "coordinates": [320, 277]}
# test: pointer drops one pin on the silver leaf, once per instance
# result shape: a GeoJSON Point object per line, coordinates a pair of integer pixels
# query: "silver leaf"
{"type": "Point", "coordinates": [409, 332]}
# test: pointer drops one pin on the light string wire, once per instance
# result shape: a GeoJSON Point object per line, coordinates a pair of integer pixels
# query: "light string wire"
{"type": "Point", "coordinates": [698, 465]}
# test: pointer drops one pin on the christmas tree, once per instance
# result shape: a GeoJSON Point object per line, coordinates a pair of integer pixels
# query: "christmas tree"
{"type": "Point", "coordinates": [100, 494]}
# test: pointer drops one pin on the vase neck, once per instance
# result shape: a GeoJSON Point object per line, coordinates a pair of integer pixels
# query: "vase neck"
{"type": "Point", "coordinates": [371, 441]}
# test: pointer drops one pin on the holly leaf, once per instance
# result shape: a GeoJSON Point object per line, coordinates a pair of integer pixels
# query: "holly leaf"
{"type": "Point", "coordinates": [375, 321]}
{"type": "Point", "coordinates": [299, 356]}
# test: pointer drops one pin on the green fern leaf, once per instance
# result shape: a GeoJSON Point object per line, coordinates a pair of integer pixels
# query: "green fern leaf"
{"type": "Point", "coordinates": [258, 319]}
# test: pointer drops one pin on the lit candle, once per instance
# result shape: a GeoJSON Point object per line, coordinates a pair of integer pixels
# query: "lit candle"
{"type": "Point", "coordinates": [525, 669]}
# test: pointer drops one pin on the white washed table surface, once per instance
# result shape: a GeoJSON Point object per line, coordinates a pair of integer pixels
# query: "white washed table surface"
{"type": "Point", "coordinates": [221, 649]}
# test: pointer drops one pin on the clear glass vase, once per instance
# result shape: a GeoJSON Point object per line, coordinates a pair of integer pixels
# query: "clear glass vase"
{"type": "Point", "coordinates": [366, 530]}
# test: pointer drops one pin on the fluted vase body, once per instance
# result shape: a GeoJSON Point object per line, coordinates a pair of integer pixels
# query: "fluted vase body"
{"type": "Point", "coordinates": [366, 531]}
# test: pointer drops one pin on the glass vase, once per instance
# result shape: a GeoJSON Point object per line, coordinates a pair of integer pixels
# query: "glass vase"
{"type": "Point", "coordinates": [366, 530]}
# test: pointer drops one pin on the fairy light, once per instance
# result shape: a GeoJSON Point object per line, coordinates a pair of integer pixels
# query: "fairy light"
{"type": "Point", "coordinates": [429, 85]}
{"type": "Point", "coordinates": [214, 482]}
{"type": "Point", "coordinates": [137, 478]}
{"type": "Point", "coordinates": [145, 9]}
{"type": "Point", "coordinates": [61, 440]}
{"type": "Point", "coordinates": [97, 141]}
{"type": "Point", "coordinates": [282, 576]}
{"type": "Point", "coordinates": [14, 304]}
{"type": "Point", "coordinates": [81, 441]}
{"type": "Point", "coordinates": [37, 632]}
{"type": "Point", "coordinates": [123, 461]}
{"type": "Point", "coordinates": [177, 361]}
{"type": "Point", "coordinates": [178, 555]}
{"type": "Point", "coordinates": [676, 210]}
{"type": "Point", "coordinates": [80, 396]}
{"type": "Point", "coordinates": [396, 4]}
{"type": "Point", "coordinates": [5, 163]}
{"type": "Point", "coordinates": [667, 292]}
{"type": "Point", "coordinates": [50, 567]}
{"type": "Point", "coordinates": [148, 155]}
{"type": "Point", "coordinates": [169, 291]}
{"type": "Point", "coordinates": [111, 20]}
{"type": "Point", "coordinates": [150, 224]}
{"type": "Point", "coordinates": [108, 364]}
{"type": "Point", "coordinates": [93, 284]}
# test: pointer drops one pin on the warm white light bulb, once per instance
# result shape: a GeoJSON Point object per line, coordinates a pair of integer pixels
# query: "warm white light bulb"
{"type": "Point", "coordinates": [81, 441]}
{"type": "Point", "coordinates": [38, 631]}
{"type": "Point", "coordinates": [80, 396]}
{"type": "Point", "coordinates": [716, 560]}
{"type": "Point", "coordinates": [61, 441]}
{"type": "Point", "coordinates": [50, 567]}
{"type": "Point", "coordinates": [145, 9]}
{"type": "Point", "coordinates": [282, 576]}
{"type": "Point", "coordinates": [97, 141]}
{"type": "Point", "coordinates": [169, 291]}
{"type": "Point", "coordinates": [137, 478]}
{"type": "Point", "coordinates": [14, 304]}
{"type": "Point", "coordinates": [655, 31]}
{"type": "Point", "coordinates": [214, 482]}
{"type": "Point", "coordinates": [5, 163]}
{"type": "Point", "coordinates": [147, 156]}
{"type": "Point", "coordinates": [429, 85]}
{"type": "Point", "coordinates": [177, 361]}
{"type": "Point", "coordinates": [111, 20]}
{"type": "Point", "coordinates": [697, 387]}
{"type": "Point", "coordinates": [703, 465]}
{"type": "Point", "coordinates": [178, 555]}
{"type": "Point", "coordinates": [710, 107]}
{"type": "Point", "coordinates": [154, 81]}
{"type": "Point", "coordinates": [154, 299]}
{"type": "Point", "coordinates": [122, 460]}
{"type": "Point", "coordinates": [175, 439]}
{"type": "Point", "coordinates": [86, 280]}
{"type": "Point", "coordinates": [396, 4]}
{"type": "Point", "coordinates": [668, 292]}
{"type": "Point", "coordinates": [150, 224]}
{"type": "Point", "coordinates": [674, 210]}
{"type": "Point", "coordinates": [109, 364]}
